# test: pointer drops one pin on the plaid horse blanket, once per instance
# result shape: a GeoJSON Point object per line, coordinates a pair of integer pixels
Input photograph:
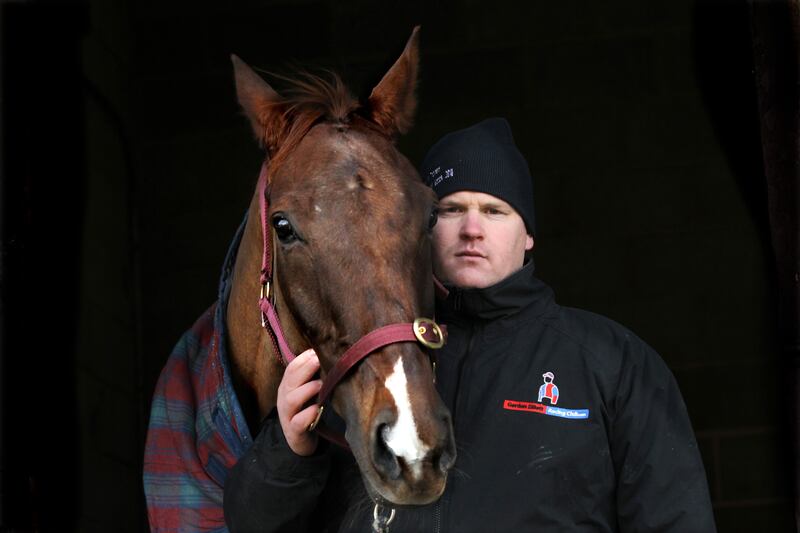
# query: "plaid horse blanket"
{"type": "Point", "coordinates": [197, 430]}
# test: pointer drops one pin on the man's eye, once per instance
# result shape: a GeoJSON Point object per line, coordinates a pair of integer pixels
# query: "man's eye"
{"type": "Point", "coordinates": [450, 209]}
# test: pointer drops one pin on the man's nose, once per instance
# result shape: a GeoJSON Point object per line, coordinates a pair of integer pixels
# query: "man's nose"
{"type": "Point", "coordinates": [471, 227]}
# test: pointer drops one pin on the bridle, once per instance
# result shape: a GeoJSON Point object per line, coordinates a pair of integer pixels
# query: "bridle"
{"type": "Point", "coordinates": [423, 330]}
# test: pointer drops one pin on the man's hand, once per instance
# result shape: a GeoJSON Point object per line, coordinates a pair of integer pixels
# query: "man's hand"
{"type": "Point", "coordinates": [295, 390]}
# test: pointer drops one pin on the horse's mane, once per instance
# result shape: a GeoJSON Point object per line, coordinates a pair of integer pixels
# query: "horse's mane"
{"type": "Point", "coordinates": [309, 99]}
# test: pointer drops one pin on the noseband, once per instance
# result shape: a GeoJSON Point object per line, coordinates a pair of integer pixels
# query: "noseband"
{"type": "Point", "coordinates": [422, 330]}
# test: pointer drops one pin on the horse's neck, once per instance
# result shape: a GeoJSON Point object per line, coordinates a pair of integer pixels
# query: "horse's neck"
{"type": "Point", "coordinates": [256, 368]}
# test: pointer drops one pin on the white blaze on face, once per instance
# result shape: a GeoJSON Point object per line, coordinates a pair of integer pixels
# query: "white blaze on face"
{"type": "Point", "coordinates": [402, 438]}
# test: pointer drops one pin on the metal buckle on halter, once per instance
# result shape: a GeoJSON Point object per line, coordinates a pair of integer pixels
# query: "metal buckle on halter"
{"type": "Point", "coordinates": [265, 293]}
{"type": "Point", "coordinates": [421, 326]}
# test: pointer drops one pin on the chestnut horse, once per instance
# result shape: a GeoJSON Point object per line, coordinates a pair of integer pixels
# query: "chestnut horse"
{"type": "Point", "coordinates": [352, 254]}
{"type": "Point", "coordinates": [335, 254]}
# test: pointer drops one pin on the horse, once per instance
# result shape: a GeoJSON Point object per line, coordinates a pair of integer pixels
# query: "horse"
{"type": "Point", "coordinates": [335, 247]}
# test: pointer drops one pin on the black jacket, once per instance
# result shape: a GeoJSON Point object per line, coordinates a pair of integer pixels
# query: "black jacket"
{"type": "Point", "coordinates": [564, 421]}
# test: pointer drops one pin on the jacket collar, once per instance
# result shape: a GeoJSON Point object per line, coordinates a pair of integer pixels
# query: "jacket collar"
{"type": "Point", "coordinates": [518, 291]}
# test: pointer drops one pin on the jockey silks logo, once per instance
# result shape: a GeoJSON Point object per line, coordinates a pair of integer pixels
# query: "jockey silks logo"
{"type": "Point", "coordinates": [547, 391]}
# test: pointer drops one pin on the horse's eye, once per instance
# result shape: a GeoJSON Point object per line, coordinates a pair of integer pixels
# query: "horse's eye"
{"type": "Point", "coordinates": [283, 229]}
{"type": "Point", "coordinates": [434, 217]}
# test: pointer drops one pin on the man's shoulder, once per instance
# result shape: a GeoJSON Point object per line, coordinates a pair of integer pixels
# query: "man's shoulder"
{"type": "Point", "coordinates": [586, 327]}
{"type": "Point", "coordinates": [596, 334]}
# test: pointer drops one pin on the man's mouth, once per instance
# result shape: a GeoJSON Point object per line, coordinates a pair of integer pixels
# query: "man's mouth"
{"type": "Point", "coordinates": [470, 253]}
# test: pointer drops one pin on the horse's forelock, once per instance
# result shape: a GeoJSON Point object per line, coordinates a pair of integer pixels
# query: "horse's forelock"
{"type": "Point", "coordinates": [327, 96]}
{"type": "Point", "coordinates": [310, 99]}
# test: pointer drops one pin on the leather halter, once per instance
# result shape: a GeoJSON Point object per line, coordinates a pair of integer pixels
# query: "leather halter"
{"type": "Point", "coordinates": [422, 330]}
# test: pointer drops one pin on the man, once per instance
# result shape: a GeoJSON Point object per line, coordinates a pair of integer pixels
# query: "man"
{"type": "Point", "coordinates": [564, 420]}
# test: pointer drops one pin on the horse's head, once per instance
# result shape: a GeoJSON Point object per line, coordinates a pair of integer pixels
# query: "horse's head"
{"type": "Point", "coordinates": [351, 221]}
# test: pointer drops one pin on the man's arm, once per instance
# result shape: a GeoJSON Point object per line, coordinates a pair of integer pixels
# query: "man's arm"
{"type": "Point", "coordinates": [271, 488]}
{"type": "Point", "coordinates": [276, 484]}
{"type": "Point", "coordinates": [661, 482]}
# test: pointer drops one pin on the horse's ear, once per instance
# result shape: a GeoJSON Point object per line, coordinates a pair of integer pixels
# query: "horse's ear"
{"type": "Point", "coordinates": [263, 106]}
{"type": "Point", "coordinates": [393, 101]}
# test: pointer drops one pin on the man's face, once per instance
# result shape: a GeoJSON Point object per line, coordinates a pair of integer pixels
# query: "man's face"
{"type": "Point", "coordinates": [478, 240]}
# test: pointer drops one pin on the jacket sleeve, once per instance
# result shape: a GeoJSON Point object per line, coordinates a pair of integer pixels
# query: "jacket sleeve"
{"type": "Point", "coordinates": [271, 488]}
{"type": "Point", "coordinates": [661, 482]}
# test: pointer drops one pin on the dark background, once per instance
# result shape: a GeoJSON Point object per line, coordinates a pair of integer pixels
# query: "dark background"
{"type": "Point", "coordinates": [127, 166]}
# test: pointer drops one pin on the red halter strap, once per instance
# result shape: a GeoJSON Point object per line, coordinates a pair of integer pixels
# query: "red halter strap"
{"type": "Point", "coordinates": [422, 330]}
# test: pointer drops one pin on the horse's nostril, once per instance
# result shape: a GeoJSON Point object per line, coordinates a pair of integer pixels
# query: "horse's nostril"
{"type": "Point", "coordinates": [446, 461]}
{"type": "Point", "coordinates": [448, 456]}
{"type": "Point", "coordinates": [385, 460]}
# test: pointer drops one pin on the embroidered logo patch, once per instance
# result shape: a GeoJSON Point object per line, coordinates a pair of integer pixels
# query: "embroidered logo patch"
{"type": "Point", "coordinates": [549, 389]}
{"type": "Point", "coordinates": [436, 178]}
{"type": "Point", "coordinates": [547, 392]}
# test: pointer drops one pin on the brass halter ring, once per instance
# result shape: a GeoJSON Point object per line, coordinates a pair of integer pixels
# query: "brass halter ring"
{"type": "Point", "coordinates": [421, 326]}
{"type": "Point", "coordinates": [313, 425]}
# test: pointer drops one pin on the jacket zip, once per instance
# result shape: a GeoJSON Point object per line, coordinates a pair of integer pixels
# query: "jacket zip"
{"type": "Point", "coordinates": [460, 373]}
{"type": "Point", "coordinates": [437, 511]}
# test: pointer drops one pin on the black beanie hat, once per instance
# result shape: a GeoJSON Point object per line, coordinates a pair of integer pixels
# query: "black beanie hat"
{"type": "Point", "coordinates": [482, 158]}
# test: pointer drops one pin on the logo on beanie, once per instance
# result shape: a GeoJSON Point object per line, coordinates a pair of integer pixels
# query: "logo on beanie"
{"type": "Point", "coordinates": [436, 178]}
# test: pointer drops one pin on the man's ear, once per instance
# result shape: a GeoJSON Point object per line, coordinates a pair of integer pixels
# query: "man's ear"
{"type": "Point", "coordinates": [529, 243]}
